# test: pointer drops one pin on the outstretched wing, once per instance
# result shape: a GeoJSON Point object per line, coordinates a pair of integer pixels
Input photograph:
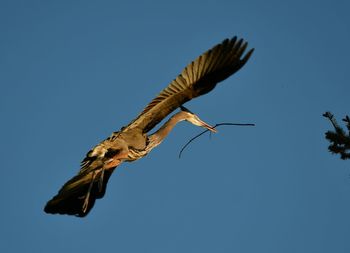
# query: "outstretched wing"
{"type": "Point", "coordinates": [78, 195]}
{"type": "Point", "coordinates": [198, 78]}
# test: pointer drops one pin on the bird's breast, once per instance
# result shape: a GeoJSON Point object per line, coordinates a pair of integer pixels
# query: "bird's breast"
{"type": "Point", "coordinates": [134, 139]}
{"type": "Point", "coordinates": [135, 154]}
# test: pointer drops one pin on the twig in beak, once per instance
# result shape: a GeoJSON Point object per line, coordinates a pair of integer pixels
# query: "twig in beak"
{"type": "Point", "coordinates": [220, 124]}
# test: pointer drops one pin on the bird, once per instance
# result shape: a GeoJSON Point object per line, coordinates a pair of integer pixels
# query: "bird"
{"type": "Point", "coordinates": [134, 141]}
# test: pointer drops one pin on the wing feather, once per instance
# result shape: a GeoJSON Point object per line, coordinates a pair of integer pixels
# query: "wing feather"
{"type": "Point", "coordinates": [198, 78]}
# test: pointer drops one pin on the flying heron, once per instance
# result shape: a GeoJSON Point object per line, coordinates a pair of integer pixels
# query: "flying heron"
{"type": "Point", "coordinates": [132, 142]}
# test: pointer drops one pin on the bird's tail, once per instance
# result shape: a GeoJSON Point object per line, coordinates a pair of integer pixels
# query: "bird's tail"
{"type": "Point", "coordinates": [78, 195]}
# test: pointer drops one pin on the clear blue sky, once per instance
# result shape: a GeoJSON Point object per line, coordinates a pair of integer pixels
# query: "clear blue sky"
{"type": "Point", "coordinates": [71, 72]}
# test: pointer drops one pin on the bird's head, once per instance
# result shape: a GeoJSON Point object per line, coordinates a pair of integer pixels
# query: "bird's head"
{"type": "Point", "coordinates": [195, 120]}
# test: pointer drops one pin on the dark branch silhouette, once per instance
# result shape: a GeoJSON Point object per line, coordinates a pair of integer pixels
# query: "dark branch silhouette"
{"type": "Point", "coordinates": [339, 139]}
{"type": "Point", "coordinates": [220, 124]}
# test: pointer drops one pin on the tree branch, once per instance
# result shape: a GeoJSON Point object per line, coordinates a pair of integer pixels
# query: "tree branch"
{"type": "Point", "coordinates": [339, 139]}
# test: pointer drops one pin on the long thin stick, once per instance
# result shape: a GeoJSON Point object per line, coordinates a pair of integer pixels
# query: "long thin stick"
{"type": "Point", "coordinates": [220, 124]}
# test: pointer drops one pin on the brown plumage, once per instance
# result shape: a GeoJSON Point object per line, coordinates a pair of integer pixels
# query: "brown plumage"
{"type": "Point", "coordinates": [132, 142]}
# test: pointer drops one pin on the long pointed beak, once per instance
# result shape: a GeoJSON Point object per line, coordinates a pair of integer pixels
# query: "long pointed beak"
{"type": "Point", "coordinates": [207, 126]}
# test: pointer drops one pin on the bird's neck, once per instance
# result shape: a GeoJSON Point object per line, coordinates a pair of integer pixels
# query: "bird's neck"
{"type": "Point", "coordinates": [157, 137]}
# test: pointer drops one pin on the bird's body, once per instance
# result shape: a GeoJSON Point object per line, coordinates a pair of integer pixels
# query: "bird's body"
{"type": "Point", "coordinates": [133, 142]}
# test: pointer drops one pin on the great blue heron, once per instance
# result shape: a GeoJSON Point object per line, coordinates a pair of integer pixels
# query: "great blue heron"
{"type": "Point", "coordinates": [132, 142]}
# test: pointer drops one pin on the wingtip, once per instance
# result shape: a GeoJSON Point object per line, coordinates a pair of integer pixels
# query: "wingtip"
{"type": "Point", "coordinates": [56, 208]}
{"type": "Point", "coordinates": [233, 39]}
{"type": "Point", "coordinates": [248, 55]}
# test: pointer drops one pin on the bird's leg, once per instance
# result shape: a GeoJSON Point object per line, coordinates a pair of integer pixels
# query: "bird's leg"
{"type": "Point", "coordinates": [87, 196]}
{"type": "Point", "coordinates": [100, 182]}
